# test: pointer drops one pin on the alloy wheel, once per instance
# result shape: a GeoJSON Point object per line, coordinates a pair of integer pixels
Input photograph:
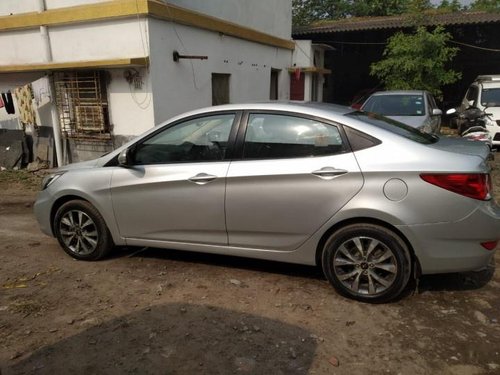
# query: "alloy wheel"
{"type": "Point", "coordinates": [78, 232]}
{"type": "Point", "coordinates": [365, 265]}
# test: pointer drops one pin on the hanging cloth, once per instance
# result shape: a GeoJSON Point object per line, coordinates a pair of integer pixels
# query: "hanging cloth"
{"type": "Point", "coordinates": [24, 98]}
{"type": "Point", "coordinates": [8, 102]}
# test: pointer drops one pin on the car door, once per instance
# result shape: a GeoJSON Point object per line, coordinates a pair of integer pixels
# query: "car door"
{"type": "Point", "coordinates": [294, 174]}
{"type": "Point", "coordinates": [174, 190]}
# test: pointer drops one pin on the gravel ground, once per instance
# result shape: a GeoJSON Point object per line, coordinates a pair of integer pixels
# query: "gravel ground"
{"type": "Point", "coordinates": [166, 312]}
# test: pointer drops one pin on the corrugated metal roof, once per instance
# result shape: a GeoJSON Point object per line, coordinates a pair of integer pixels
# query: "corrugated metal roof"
{"type": "Point", "coordinates": [397, 22]}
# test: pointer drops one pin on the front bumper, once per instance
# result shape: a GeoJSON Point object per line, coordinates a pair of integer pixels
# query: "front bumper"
{"type": "Point", "coordinates": [42, 210]}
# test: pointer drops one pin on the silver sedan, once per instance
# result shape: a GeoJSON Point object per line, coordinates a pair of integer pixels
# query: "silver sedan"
{"type": "Point", "coordinates": [370, 200]}
{"type": "Point", "coordinates": [416, 108]}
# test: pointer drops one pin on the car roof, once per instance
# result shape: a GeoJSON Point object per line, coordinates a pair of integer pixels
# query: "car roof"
{"type": "Point", "coordinates": [399, 92]}
{"type": "Point", "coordinates": [308, 108]}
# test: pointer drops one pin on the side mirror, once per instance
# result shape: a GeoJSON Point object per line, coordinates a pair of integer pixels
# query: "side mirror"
{"type": "Point", "coordinates": [450, 111]}
{"type": "Point", "coordinates": [437, 112]}
{"type": "Point", "coordinates": [124, 158]}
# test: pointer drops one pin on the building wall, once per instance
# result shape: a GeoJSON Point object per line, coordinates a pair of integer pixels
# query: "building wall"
{"type": "Point", "coordinates": [186, 85]}
{"type": "Point", "coordinates": [77, 42]}
{"type": "Point", "coordinates": [130, 109]}
{"type": "Point", "coordinates": [8, 7]}
{"type": "Point", "coordinates": [168, 88]}
{"type": "Point", "coordinates": [272, 17]}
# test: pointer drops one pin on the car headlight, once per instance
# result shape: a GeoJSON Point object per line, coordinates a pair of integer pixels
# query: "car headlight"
{"type": "Point", "coordinates": [47, 180]}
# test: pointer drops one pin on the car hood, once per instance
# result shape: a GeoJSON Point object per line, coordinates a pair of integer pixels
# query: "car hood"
{"type": "Point", "coordinates": [80, 165]}
{"type": "Point", "coordinates": [463, 146]}
{"type": "Point", "coordinates": [495, 112]}
{"type": "Point", "coordinates": [413, 121]}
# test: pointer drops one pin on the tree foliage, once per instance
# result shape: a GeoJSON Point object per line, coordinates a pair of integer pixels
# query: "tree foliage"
{"type": "Point", "coordinates": [452, 5]}
{"type": "Point", "coordinates": [306, 11]}
{"type": "Point", "coordinates": [417, 61]}
{"type": "Point", "coordinates": [486, 5]}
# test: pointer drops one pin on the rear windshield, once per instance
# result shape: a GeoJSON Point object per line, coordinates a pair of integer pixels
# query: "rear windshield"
{"type": "Point", "coordinates": [396, 105]}
{"type": "Point", "coordinates": [394, 127]}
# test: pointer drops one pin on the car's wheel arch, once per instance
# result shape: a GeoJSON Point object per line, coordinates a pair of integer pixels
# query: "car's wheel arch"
{"type": "Point", "coordinates": [81, 197]}
{"type": "Point", "coordinates": [416, 269]}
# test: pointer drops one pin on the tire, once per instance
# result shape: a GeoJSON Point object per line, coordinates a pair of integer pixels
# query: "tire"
{"type": "Point", "coordinates": [376, 273]}
{"type": "Point", "coordinates": [81, 231]}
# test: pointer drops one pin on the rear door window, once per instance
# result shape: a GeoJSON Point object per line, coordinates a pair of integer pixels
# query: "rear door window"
{"type": "Point", "coordinates": [271, 136]}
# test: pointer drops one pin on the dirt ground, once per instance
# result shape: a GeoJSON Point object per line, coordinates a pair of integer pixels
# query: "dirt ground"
{"type": "Point", "coordinates": [154, 311]}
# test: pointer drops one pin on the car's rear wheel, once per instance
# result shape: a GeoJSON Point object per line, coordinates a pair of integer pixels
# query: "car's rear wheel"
{"type": "Point", "coordinates": [367, 262]}
{"type": "Point", "coordinates": [81, 231]}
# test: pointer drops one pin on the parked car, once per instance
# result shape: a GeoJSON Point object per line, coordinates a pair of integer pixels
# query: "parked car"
{"type": "Point", "coordinates": [415, 108]}
{"type": "Point", "coordinates": [484, 94]}
{"type": "Point", "coordinates": [370, 200]}
{"type": "Point", "coordinates": [360, 97]}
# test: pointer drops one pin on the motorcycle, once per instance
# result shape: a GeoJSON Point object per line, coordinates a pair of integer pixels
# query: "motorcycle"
{"type": "Point", "coordinates": [471, 125]}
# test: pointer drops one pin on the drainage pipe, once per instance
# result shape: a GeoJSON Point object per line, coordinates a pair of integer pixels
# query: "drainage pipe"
{"type": "Point", "coordinates": [47, 50]}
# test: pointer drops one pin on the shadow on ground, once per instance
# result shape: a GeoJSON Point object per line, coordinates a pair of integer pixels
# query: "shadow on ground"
{"type": "Point", "coordinates": [288, 269]}
{"type": "Point", "coordinates": [457, 281]}
{"type": "Point", "coordinates": [427, 283]}
{"type": "Point", "coordinates": [178, 339]}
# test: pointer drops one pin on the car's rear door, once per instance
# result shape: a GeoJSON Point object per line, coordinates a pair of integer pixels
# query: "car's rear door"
{"type": "Point", "coordinates": [175, 189]}
{"type": "Point", "coordinates": [292, 175]}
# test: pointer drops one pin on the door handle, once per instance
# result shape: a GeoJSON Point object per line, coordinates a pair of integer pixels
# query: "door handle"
{"type": "Point", "coordinates": [329, 172]}
{"type": "Point", "coordinates": [202, 178]}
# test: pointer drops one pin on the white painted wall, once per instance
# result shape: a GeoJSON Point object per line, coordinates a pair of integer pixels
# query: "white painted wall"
{"type": "Point", "coordinates": [303, 53]}
{"type": "Point", "coordinates": [88, 41]}
{"type": "Point", "coordinates": [272, 17]}
{"type": "Point", "coordinates": [99, 40]}
{"type": "Point", "coordinates": [21, 47]}
{"type": "Point", "coordinates": [186, 85]}
{"type": "Point", "coordinates": [131, 110]}
{"type": "Point", "coordinates": [8, 7]}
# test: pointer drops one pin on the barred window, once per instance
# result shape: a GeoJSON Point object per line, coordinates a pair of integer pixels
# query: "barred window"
{"type": "Point", "coordinates": [82, 104]}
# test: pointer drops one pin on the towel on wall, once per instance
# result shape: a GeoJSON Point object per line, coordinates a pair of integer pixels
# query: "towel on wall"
{"type": "Point", "coordinates": [24, 98]}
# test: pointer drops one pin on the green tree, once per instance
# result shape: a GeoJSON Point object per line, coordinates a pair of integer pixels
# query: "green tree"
{"type": "Point", "coordinates": [307, 11]}
{"type": "Point", "coordinates": [417, 61]}
{"type": "Point", "coordinates": [453, 5]}
{"type": "Point", "coordinates": [378, 7]}
{"type": "Point", "coordinates": [486, 5]}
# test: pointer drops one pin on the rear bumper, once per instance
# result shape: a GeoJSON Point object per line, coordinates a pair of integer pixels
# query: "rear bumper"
{"type": "Point", "coordinates": [456, 246]}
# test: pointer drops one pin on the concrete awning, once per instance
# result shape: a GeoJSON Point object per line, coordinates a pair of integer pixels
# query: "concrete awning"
{"type": "Point", "coordinates": [74, 65]}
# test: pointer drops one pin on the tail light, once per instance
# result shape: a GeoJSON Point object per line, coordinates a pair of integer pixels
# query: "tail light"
{"type": "Point", "coordinates": [472, 185]}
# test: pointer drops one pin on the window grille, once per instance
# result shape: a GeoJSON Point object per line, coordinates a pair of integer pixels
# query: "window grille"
{"type": "Point", "coordinates": [81, 100]}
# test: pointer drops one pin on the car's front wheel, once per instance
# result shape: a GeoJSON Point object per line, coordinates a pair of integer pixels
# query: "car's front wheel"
{"type": "Point", "coordinates": [82, 231]}
{"type": "Point", "coordinates": [367, 262]}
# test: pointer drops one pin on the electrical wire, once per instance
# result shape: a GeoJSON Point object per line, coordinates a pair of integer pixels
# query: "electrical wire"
{"type": "Point", "coordinates": [142, 104]}
{"type": "Point", "coordinates": [183, 46]}
{"type": "Point", "coordinates": [476, 47]}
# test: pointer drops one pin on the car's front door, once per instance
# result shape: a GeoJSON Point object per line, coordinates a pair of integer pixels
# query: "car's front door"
{"type": "Point", "coordinates": [294, 174]}
{"type": "Point", "coordinates": [175, 188]}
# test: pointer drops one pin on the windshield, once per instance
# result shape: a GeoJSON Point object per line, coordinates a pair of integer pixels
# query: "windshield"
{"type": "Point", "coordinates": [490, 97]}
{"type": "Point", "coordinates": [396, 105]}
{"type": "Point", "coordinates": [394, 127]}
